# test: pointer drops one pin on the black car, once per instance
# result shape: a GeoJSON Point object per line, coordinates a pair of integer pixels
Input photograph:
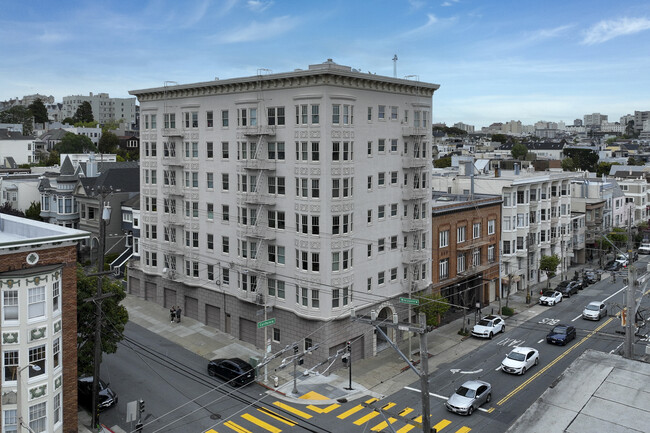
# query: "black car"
{"type": "Point", "coordinates": [235, 371]}
{"type": "Point", "coordinates": [568, 289]}
{"type": "Point", "coordinates": [581, 283]}
{"type": "Point", "coordinates": [561, 334]}
{"type": "Point", "coordinates": [613, 266]}
{"type": "Point", "coordinates": [107, 398]}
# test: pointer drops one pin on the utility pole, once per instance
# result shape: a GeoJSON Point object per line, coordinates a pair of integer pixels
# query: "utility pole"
{"type": "Point", "coordinates": [630, 304]}
{"type": "Point", "coordinates": [422, 330]}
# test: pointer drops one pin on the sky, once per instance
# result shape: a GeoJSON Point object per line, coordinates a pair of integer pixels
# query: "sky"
{"type": "Point", "coordinates": [495, 60]}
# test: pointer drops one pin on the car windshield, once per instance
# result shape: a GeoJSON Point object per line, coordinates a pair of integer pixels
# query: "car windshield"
{"type": "Point", "coordinates": [466, 392]}
{"type": "Point", "coordinates": [484, 322]}
{"type": "Point", "coordinates": [559, 330]}
{"type": "Point", "coordinates": [516, 356]}
{"type": "Point", "coordinates": [548, 293]}
{"type": "Point", "coordinates": [592, 307]}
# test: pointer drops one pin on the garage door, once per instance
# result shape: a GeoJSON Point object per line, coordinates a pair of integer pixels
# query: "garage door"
{"type": "Point", "coordinates": [134, 286]}
{"type": "Point", "coordinates": [192, 307]}
{"type": "Point", "coordinates": [150, 291]}
{"type": "Point", "coordinates": [213, 316]}
{"type": "Point", "coordinates": [170, 298]}
{"type": "Point", "coordinates": [248, 331]}
{"type": "Point", "coordinates": [357, 348]}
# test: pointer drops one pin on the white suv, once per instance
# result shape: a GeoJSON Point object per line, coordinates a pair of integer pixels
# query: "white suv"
{"type": "Point", "coordinates": [644, 248]}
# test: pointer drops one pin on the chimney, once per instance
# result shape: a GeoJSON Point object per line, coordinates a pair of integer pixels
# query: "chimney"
{"type": "Point", "coordinates": [516, 169]}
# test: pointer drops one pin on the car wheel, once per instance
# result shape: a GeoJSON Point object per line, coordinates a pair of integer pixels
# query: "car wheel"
{"type": "Point", "coordinates": [490, 336]}
{"type": "Point", "coordinates": [560, 299]}
{"type": "Point", "coordinates": [536, 361]}
{"type": "Point", "coordinates": [470, 410]}
{"type": "Point", "coordinates": [523, 371]}
{"type": "Point", "coordinates": [503, 329]}
{"type": "Point", "coordinates": [489, 398]}
{"type": "Point", "coordinates": [211, 372]}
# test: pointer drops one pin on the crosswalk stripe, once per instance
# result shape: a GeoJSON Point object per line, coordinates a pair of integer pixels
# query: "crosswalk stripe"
{"type": "Point", "coordinates": [418, 419]}
{"type": "Point", "coordinates": [463, 430]}
{"type": "Point", "coordinates": [407, 428]}
{"type": "Point", "coordinates": [382, 425]}
{"type": "Point", "coordinates": [442, 424]}
{"type": "Point", "coordinates": [364, 419]}
{"type": "Point", "coordinates": [327, 409]}
{"type": "Point", "coordinates": [275, 415]}
{"type": "Point", "coordinates": [371, 401]}
{"type": "Point", "coordinates": [388, 406]}
{"type": "Point", "coordinates": [211, 431]}
{"type": "Point", "coordinates": [259, 422]}
{"type": "Point", "coordinates": [349, 412]}
{"type": "Point", "coordinates": [406, 411]}
{"type": "Point", "coordinates": [236, 427]}
{"type": "Point", "coordinates": [292, 410]}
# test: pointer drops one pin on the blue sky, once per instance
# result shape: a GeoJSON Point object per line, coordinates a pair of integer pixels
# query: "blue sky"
{"type": "Point", "coordinates": [494, 60]}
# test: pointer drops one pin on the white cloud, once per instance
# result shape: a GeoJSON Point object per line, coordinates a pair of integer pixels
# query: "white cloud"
{"type": "Point", "coordinates": [431, 20]}
{"type": "Point", "coordinates": [258, 6]}
{"type": "Point", "coordinates": [51, 37]}
{"type": "Point", "coordinates": [449, 3]}
{"type": "Point", "coordinates": [257, 31]}
{"type": "Point", "coordinates": [416, 4]}
{"type": "Point", "coordinates": [610, 29]}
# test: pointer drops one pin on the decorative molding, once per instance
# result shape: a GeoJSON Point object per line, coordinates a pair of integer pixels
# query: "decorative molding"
{"type": "Point", "coordinates": [37, 391]}
{"type": "Point", "coordinates": [9, 338]}
{"type": "Point", "coordinates": [58, 382]}
{"type": "Point", "coordinates": [57, 326]}
{"type": "Point", "coordinates": [32, 258]}
{"type": "Point", "coordinates": [36, 280]}
{"type": "Point", "coordinates": [10, 283]}
{"type": "Point", "coordinates": [37, 333]}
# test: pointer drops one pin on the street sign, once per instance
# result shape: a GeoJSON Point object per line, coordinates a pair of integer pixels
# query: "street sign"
{"type": "Point", "coordinates": [265, 323]}
{"type": "Point", "coordinates": [409, 301]}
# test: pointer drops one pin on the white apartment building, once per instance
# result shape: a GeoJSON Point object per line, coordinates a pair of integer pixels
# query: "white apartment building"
{"type": "Point", "coordinates": [636, 192]}
{"type": "Point", "coordinates": [293, 196]}
{"type": "Point", "coordinates": [17, 146]}
{"type": "Point", "coordinates": [594, 119]}
{"type": "Point", "coordinates": [104, 107]}
{"type": "Point", "coordinates": [536, 217]}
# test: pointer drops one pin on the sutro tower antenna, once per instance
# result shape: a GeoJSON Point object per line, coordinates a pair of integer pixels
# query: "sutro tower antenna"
{"type": "Point", "coordinates": [395, 66]}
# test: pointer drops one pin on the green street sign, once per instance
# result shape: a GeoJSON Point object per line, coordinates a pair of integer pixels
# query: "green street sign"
{"type": "Point", "coordinates": [409, 301]}
{"type": "Point", "coordinates": [265, 323]}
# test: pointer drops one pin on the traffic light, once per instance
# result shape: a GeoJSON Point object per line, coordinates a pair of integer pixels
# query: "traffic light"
{"type": "Point", "coordinates": [295, 349]}
{"type": "Point", "coordinates": [138, 427]}
{"type": "Point", "coordinates": [141, 406]}
{"type": "Point", "coordinates": [349, 346]}
{"type": "Point", "coordinates": [345, 358]}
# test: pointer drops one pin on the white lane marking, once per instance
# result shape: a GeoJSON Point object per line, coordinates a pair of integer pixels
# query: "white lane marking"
{"type": "Point", "coordinates": [498, 368]}
{"type": "Point", "coordinates": [442, 397]}
{"type": "Point", "coordinates": [604, 300]}
{"type": "Point", "coordinates": [540, 341]}
{"type": "Point", "coordinates": [616, 350]}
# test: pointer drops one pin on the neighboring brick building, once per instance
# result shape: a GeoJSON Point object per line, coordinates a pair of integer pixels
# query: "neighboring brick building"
{"type": "Point", "coordinates": [466, 238]}
{"type": "Point", "coordinates": [38, 281]}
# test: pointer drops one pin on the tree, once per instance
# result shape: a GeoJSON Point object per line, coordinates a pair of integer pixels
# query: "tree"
{"type": "Point", "coordinates": [74, 143]}
{"type": "Point", "coordinates": [583, 159]}
{"type": "Point", "coordinates": [112, 125]}
{"type": "Point", "coordinates": [434, 307]}
{"type": "Point", "coordinates": [633, 161]}
{"type": "Point", "coordinates": [34, 211]}
{"type": "Point", "coordinates": [442, 162]}
{"type": "Point", "coordinates": [84, 113]}
{"type": "Point", "coordinates": [501, 138]}
{"type": "Point", "coordinates": [568, 165]}
{"type": "Point", "coordinates": [519, 151]}
{"type": "Point", "coordinates": [108, 143]}
{"type": "Point", "coordinates": [629, 128]}
{"type": "Point", "coordinates": [604, 168]}
{"type": "Point", "coordinates": [7, 209]}
{"type": "Point", "coordinates": [38, 110]}
{"type": "Point", "coordinates": [114, 317]}
{"type": "Point", "coordinates": [549, 264]}
{"type": "Point", "coordinates": [20, 115]}
{"type": "Point", "coordinates": [68, 121]}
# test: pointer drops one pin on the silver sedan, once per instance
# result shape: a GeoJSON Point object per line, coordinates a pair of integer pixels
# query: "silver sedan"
{"type": "Point", "coordinates": [469, 397]}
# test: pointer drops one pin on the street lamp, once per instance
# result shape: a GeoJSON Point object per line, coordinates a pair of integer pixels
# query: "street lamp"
{"type": "Point", "coordinates": [18, 397]}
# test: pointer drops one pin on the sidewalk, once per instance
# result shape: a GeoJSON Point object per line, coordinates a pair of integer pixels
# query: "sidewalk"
{"type": "Point", "coordinates": [376, 376]}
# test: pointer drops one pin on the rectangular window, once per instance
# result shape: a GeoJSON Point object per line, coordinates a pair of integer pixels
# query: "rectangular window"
{"type": "Point", "coordinates": [491, 226]}
{"type": "Point", "coordinates": [381, 211]}
{"type": "Point", "coordinates": [10, 421]}
{"type": "Point", "coordinates": [209, 119]}
{"type": "Point", "coordinates": [210, 241]}
{"type": "Point", "coordinates": [36, 302]}
{"type": "Point", "coordinates": [38, 417]}
{"type": "Point", "coordinates": [225, 182]}
{"type": "Point", "coordinates": [315, 301]}
{"type": "Point", "coordinates": [460, 234]}
{"type": "Point", "coordinates": [336, 114]}
{"type": "Point", "coordinates": [381, 145]}
{"type": "Point", "coordinates": [56, 410]}
{"type": "Point", "coordinates": [381, 245]}
{"type": "Point", "coordinates": [225, 244]}
{"type": "Point", "coordinates": [210, 180]}
{"type": "Point", "coordinates": [10, 305]}
{"type": "Point", "coordinates": [211, 272]}
{"type": "Point", "coordinates": [224, 118]}
{"type": "Point", "coordinates": [443, 269]}
{"type": "Point", "coordinates": [304, 296]}
{"type": "Point", "coordinates": [209, 148]}
{"type": "Point", "coordinates": [393, 113]}
{"type": "Point", "coordinates": [37, 357]}
{"type": "Point", "coordinates": [443, 238]}
{"type": "Point", "coordinates": [381, 276]}
{"type": "Point", "coordinates": [381, 112]}
{"type": "Point", "coordinates": [315, 116]}
{"type": "Point", "coordinates": [381, 179]}
{"type": "Point", "coordinates": [476, 230]}
{"type": "Point", "coordinates": [491, 253]}
{"type": "Point", "coordinates": [56, 352]}
{"type": "Point", "coordinates": [460, 263]}
{"type": "Point", "coordinates": [225, 212]}
{"type": "Point", "coordinates": [10, 365]}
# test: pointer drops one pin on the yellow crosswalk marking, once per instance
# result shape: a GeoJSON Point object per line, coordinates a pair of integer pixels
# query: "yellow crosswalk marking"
{"type": "Point", "coordinates": [349, 412]}
{"type": "Point", "coordinates": [406, 411]}
{"type": "Point", "coordinates": [382, 425]}
{"type": "Point", "coordinates": [406, 428]}
{"type": "Point", "coordinates": [327, 409]}
{"type": "Point", "coordinates": [418, 419]}
{"type": "Point", "coordinates": [211, 431]}
{"type": "Point", "coordinates": [371, 401]}
{"type": "Point", "coordinates": [259, 422]}
{"type": "Point", "coordinates": [313, 395]}
{"type": "Point", "coordinates": [236, 427]}
{"type": "Point", "coordinates": [388, 406]}
{"type": "Point", "coordinates": [442, 424]}
{"type": "Point", "coordinates": [463, 430]}
{"type": "Point", "coordinates": [364, 419]}
{"type": "Point", "coordinates": [275, 415]}
{"type": "Point", "coordinates": [292, 410]}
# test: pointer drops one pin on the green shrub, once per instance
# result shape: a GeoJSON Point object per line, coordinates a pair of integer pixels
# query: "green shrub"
{"type": "Point", "coordinates": [507, 311]}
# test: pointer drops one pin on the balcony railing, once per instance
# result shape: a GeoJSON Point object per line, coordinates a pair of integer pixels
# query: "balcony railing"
{"type": "Point", "coordinates": [413, 225]}
{"type": "Point", "coordinates": [415, 256]}
{"type": "Point", "coordinates": [413, 131]}
{"type": "Point", "coordinates": [258, 164]}
{"type": "Point", "coordinates": [260, 231]}
{"type": "Point", "coordinates": [410, 193]}
{"type": "Point", "coordinates": [172, 132]}
{"type": "Point", "coordinates": [412, 162]}
{"type": "Point", "coordinates": [258, 130]}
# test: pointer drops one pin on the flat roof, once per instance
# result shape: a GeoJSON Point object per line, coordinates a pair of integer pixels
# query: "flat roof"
{"type": "Point", "coordinates": [16, 232]}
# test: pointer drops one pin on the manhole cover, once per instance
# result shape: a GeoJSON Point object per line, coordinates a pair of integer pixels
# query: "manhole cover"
{"type": "Point", "coordinates": [215, 416]}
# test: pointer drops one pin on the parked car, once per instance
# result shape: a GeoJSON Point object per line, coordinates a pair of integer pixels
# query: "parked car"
{"type": "Point", "coordinates": [644, 248]}
{"type": "Point", "coordinates": [519, 360]}
{"type": "Point", "coordinates": [489, 326]}
{"type": "Point", "coordinates": [568, 289]}
{"type": "Point", "coordinates": [550, 297]}
{"type": "Point", "coordinates": [561, 334]}
{"type": "Point", "coordinates": [235, 371]}
{"type": "Point", "coordinates": [613, 266]}
{"type": "Point", "coordinates": [107, 397]}
{"type": "Point", "coordinates": [469, 397]}
{"type": "Point", "coordinates": [594, 311]}
{"type": "Point", "coordinates": [623, 260]}
{"type": "Point", "coordinates": [580, 283]}
{"type": "Point", "coordinates": [592, 277]}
